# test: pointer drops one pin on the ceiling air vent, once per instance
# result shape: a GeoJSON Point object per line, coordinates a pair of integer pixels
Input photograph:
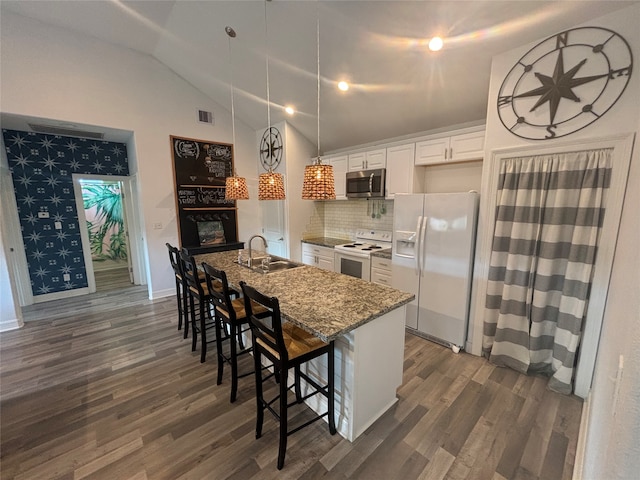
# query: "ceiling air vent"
{"type": "Point", "coordinates": [69, 132]}
{"type": "Point", "coordinates": [205, 117]}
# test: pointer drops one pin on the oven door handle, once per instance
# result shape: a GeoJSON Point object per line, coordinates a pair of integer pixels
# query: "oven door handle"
{"type": "Point", "coordinates": [416, 246]}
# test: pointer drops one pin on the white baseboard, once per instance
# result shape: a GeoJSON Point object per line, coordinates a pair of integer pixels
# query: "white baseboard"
{"type": "Point", "coordinates": [578, 463]}
{"type": "Point", "coordinates": [11, 324]}
{"type": "Point", "coordinates": [59, 295]}
{"type": "Point", "coordinates": [169, 292]}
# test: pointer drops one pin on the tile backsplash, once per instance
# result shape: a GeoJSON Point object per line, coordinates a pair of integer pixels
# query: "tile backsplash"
{"type": "Point", "coordinates": [341, 218]}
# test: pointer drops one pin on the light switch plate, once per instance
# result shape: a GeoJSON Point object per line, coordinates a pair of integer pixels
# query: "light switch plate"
{"type": "Point", "coordinates": [43, 214]}
{"type": "Point", "coordinates": [58, 225]}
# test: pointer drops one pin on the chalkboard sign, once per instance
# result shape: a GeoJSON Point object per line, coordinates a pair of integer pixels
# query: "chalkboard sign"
{"type": "Point", "coordinates": [200, 171]}
{"type": "Point", "coordinates": [198, 162]}
{"type": "Point", "coordinates": [202, 197]}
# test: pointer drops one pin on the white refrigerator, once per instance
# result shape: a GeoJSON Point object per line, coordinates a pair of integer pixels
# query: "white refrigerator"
{"type": "Point", "coordinates": [433, 250]}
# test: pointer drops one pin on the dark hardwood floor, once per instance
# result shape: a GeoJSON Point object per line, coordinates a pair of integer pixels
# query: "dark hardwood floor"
{"type": "Point", "coordinates": [104, 387]}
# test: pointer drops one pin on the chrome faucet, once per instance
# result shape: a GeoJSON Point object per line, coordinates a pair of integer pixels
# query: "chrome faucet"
{"type": "Point", "coordinates": [264, 241]}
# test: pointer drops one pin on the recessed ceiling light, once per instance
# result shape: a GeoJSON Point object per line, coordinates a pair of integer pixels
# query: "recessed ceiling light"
{"type": "Point", "coordinates": [289, 109]}
{"type": "Point", "coordinates": [435, 44]}
{"type": "Point", "coordinates": [344, 86]}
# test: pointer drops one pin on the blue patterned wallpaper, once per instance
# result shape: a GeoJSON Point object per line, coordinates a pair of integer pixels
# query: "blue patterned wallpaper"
{"type": "Point", "coordinates": [41, 168]}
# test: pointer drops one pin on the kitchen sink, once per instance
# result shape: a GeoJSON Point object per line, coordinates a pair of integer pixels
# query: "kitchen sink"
{"type": "Point", "coordinates": [275, 264]}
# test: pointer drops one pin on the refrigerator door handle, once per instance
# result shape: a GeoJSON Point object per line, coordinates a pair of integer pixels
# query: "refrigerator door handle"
{"type": "Point", "coordinates": [423, 253]}
{"type": "Point", "coordinates": [417, 247]}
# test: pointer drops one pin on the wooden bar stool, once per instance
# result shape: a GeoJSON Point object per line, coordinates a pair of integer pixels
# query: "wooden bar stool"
{"type": "Point", "coordinates": [286, 346]}
{"type": "Point", "coordinates": [231, 323]}
{"type": "Point", "coordinates": [197, 291]}
{"type": "Point", "coordinates": [181, 295]}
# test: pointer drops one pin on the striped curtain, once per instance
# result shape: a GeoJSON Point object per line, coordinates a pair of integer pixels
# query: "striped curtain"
{"type": "Point", "coordinates": [550, 209]}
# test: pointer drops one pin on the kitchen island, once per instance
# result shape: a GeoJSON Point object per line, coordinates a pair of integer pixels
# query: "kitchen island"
{"type": "Point", "coordinates": [366, 321]}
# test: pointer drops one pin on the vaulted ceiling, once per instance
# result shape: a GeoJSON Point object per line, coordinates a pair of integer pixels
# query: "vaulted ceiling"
{"type": "Point", "coordinates": [398, 87]}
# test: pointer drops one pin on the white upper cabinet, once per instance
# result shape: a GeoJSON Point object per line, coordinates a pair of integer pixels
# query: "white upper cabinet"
{"type": "Point", "coordinates": [400, 169]}
{"type": "Point", "coordinates": [340, 165]}
{"type": "Point", "coordinates": [467, 146]}
{"type": "Point", "coordinates": [455, 148]}
{"type": "Point", "coordinates": [370, 160]}
{"type": "Point", "coordinates": [432, 151]}
{"type": "Point", "coordinates": [376, 159]}
{"type": "Point", "coordinates": [357, 162]}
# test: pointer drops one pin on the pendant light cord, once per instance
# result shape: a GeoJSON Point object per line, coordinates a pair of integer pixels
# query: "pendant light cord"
{"type": "Point", "coordinates": [318, 65]}
{"type": "Point", "coordinates": [266, 42]}
{"type": "Point", "coordinates": [233, 111]}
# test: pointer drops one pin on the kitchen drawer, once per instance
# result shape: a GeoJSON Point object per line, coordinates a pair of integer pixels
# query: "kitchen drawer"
{"type": "Point", "coordinates": [381, 271]}
{"type": "Point", "coordinates": [381, 263]}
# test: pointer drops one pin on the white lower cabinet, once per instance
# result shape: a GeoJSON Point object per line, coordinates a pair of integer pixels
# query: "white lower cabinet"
{"type": "Point", "coordinates": [381, 271]}
{"type": "Point", "coordinates": [316, 256]}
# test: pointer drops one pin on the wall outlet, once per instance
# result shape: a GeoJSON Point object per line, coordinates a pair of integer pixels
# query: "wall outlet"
{"type": "Point", "coordinates": [157, 226]}
{"type": "Point", "coordinates": [58, 225]}
{"type": "Point", "coordinates": [43, 214]}
{"type": "Point", "coordinates": [66, 277]}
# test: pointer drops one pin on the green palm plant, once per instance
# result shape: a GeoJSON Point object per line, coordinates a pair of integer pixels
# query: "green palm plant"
{"type": "Point", "coordinates": [107, 200]}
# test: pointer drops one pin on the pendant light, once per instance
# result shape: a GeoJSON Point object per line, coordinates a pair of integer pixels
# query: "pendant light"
{"type": "Point", "coordinates": [270, 184]}
{"type": "Point", "coordinates": [318, 182]}
{"type": "Point", "coordinates": [235, 186]}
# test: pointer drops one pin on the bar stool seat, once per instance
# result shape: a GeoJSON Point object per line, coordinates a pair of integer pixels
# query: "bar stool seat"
{"type": "Point", "coordinates": [286, 346]}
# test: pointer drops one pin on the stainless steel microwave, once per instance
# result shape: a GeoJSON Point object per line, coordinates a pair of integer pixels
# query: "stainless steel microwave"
{"type": "Point", "coordinates": [366, 183]}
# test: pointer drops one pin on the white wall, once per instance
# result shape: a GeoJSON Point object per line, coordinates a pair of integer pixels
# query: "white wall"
{"type": "Point", "coordinates": [612, 448]}
{"type": "Point", "coordinates": [299, 152]}
{"type": "Point", "coordinates": [51, 73]}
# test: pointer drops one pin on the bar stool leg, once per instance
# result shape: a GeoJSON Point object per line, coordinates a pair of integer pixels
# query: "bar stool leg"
{"type": "Point", "coordinates": [234, 361]}
{"type": "Point", "coordinates": [194, 333]}
{"type": "Point", "coordinates": [331, 392]}
{"type": "Point", "coordinates": [219, 349]}
{"type": "Point", "coordinates": [185, 306]}
{"type": "Point", "coordinates": [282, 449]}
{"type": "Point", "coordinates": [297, 384]}
{"type": "Point", "coordinates": [259, 400]}
{"type": "Point", "coordinates": [179, 301]}
{"type": "Point", "coordinates": [203, 331]}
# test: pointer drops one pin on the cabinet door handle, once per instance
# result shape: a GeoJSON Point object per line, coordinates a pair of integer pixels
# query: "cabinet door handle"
{"type": "Point", "coordinates": [445, 153]}
{"type": "Point", "coordinates": [450, 153]}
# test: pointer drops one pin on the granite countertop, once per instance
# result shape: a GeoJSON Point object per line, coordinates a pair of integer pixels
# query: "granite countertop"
{"type": "Point", "coordinates": [321, 302]}
{"type": "Point", "coordinates": [386, 253]}
{"type": "Point", "coordinates": [326, 241]}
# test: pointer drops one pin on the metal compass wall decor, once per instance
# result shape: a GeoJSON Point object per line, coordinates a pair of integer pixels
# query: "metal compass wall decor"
{"type": "Point", "coordinates": [565, 83]}
{"type": "Point", "coordinates": [271, 149]}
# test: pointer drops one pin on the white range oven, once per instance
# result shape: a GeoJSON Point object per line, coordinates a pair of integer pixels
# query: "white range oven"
{"type": "Point", "coordinates": [355, 258]}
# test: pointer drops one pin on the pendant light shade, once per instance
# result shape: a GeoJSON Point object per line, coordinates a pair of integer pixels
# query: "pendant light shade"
{"type": "Point", "coordinates": [271, 186]}
{"type": "Point", "coordinates": [235, 187]}
{"type": "Point", "coordinates": [318, 182]}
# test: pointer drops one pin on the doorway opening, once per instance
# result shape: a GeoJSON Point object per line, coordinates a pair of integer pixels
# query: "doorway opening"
{"type": "Point", "coordinates": [105, 221]}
